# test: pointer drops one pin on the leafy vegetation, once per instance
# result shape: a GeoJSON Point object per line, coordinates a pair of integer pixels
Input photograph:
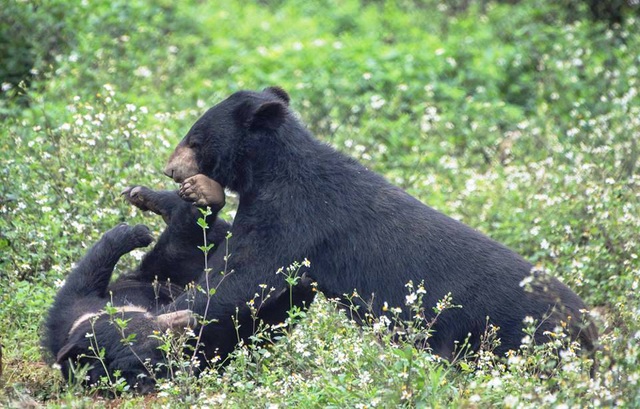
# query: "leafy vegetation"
{"type": "Point", "coordinates": [521, 120]}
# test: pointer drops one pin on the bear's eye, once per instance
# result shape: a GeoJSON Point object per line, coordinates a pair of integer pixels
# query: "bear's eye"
{"type": "Point", "coordinates": [195, 141]}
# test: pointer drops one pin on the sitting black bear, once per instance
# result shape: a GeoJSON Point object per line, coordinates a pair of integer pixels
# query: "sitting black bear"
{"type": "Point", "coordinates": [301, 199]}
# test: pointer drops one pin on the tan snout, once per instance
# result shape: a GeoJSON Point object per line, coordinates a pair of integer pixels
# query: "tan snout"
{"type": "Point", "coordinates": [177, 320]}
{"type": "Point", "coordinates": [182, 164]}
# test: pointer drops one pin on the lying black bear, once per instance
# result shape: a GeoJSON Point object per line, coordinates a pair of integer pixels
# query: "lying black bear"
{"type": "Point", "coordinates": [299, 198]}
{"type": "Point", "coordinates": [144, 296]}
{"type": "Point", "coordinates": [78, 308]}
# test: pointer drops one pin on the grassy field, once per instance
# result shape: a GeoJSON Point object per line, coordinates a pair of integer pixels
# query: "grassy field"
{"type": "Point", "coordinates": [521, 120]}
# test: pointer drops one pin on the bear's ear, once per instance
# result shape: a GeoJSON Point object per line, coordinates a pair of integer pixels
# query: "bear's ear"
{"type": "Point", "coordinates": [69, 350]}
{"type": "Point", "coordinates": [268, 115]}
{"type": "Point", "coordinates": [279, 93]}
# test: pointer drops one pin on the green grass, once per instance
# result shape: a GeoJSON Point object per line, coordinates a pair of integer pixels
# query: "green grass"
{"type": "Point", "coordinates": [520, 120]}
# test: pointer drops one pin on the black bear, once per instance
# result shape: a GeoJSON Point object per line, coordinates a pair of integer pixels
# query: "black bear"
{"type": "Point", "coordinates": [300, 199]}
{"type": "Point", "coordinates": [144, 296]}
{"type": "Point", "coordinates": [139, 296]}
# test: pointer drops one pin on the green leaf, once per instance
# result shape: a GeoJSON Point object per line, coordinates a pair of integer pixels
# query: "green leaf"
{"type": "Point", "coordinates": [203, 223]}
{"type": "Point", "coordinates": [121, 323]}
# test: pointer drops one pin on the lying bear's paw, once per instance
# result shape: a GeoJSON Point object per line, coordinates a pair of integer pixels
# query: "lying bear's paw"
{"type": "Point", "coordinates": [129, 237]}
{"type": "Point", "coordinates": [202, 191]}
{"type": "Point", "coordinates": [140, 197]}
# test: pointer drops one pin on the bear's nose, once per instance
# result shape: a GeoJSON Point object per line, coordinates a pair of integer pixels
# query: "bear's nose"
{"type": "Point", "coordinates": [169, 171]}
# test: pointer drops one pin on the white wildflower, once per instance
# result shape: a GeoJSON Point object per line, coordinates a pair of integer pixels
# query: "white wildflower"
{"type": "Point", "coordinates": [411, 299]}
{"type": "Point", "coordinates": [377, 102]}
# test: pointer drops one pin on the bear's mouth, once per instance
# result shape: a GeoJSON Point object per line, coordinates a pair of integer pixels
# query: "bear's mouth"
{"type": "Point", "coordinates": [179, 177]}
{"type": "Point", "coordinates": [182, 164]}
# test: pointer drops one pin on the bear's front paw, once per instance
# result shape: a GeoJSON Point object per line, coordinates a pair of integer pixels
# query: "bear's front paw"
{"type": "Point", "coordinates": [203, 191]}
{"type": "Point", "coordinates": [138, 196]}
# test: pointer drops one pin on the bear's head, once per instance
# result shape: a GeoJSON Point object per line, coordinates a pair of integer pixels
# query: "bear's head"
{"type": "Point", "coordinates": [139, 361]}
{"type": "Point", "coordinates": [225, 142]}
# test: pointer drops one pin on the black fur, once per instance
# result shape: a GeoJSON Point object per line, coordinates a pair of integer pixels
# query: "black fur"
{"type": "Point", "coordinates": [299, 198]}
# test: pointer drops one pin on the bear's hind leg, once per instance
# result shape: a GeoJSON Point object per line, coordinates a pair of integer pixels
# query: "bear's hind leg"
{"type": "Point", "coordinates": [93, 272]}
